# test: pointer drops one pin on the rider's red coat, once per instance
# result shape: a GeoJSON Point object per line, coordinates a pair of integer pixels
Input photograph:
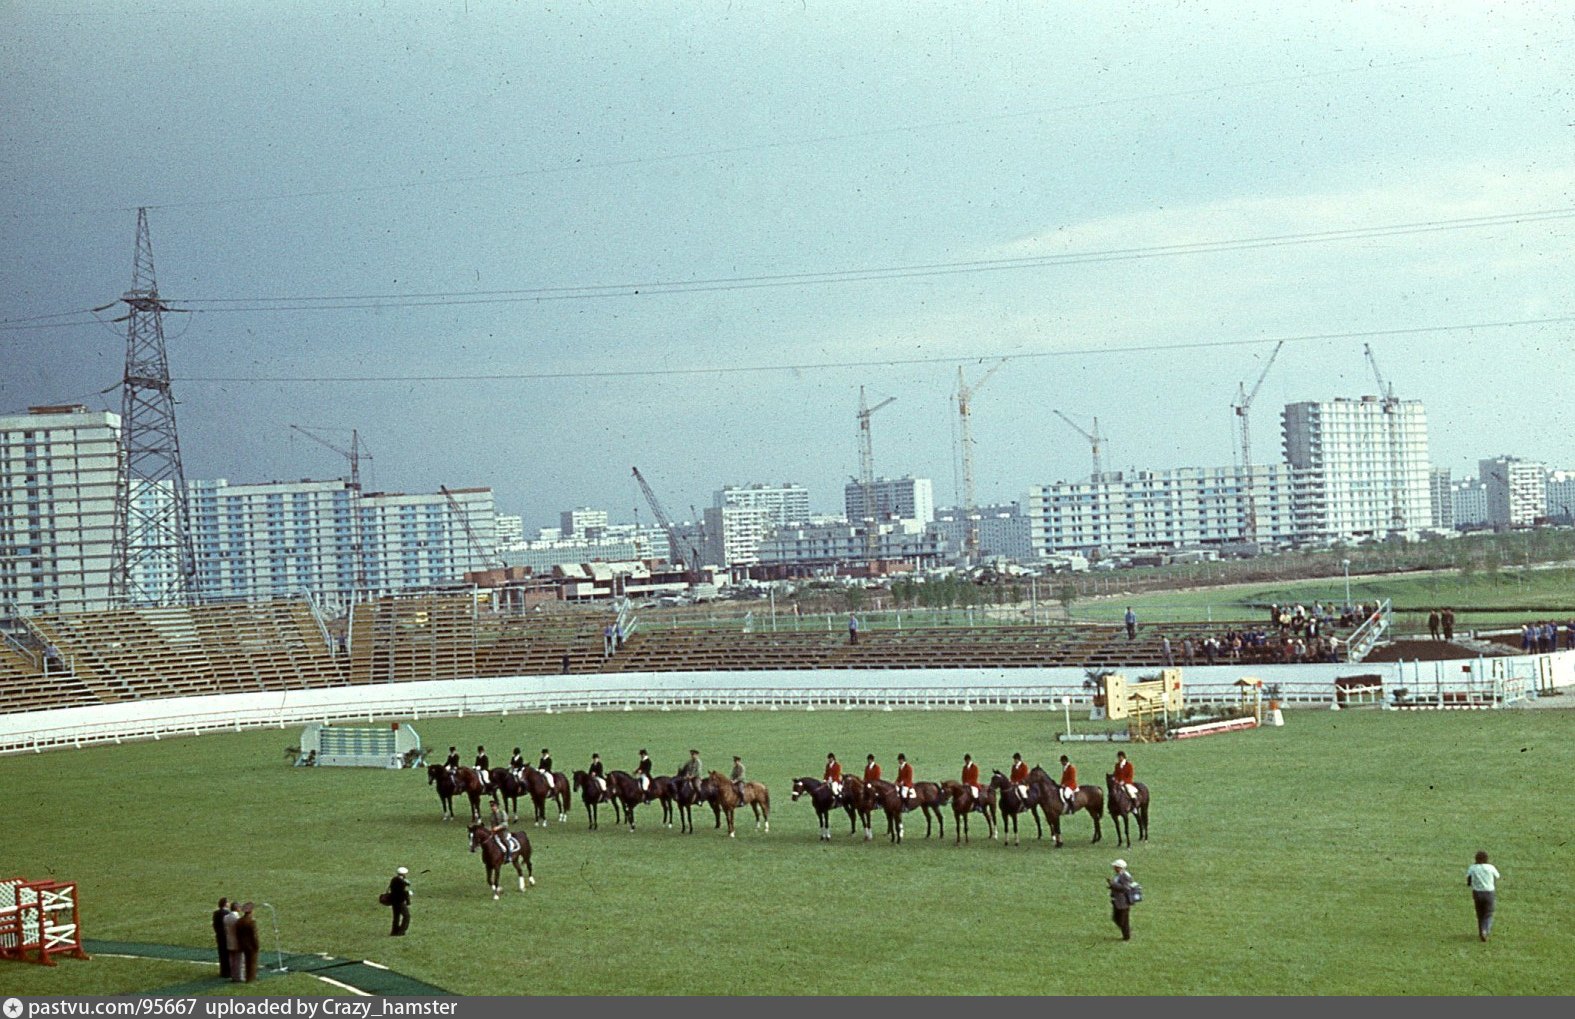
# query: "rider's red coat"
{"type": "Point", "coordinates": [872, 772]}
{"type": "Point", "coordinates": [1124, 771]}
{"type": "Point", "coordinates": [834, 771]}
{"type": "Point", "coordinates": [1019, 773]}
{"type": "Point", "coordinates": [970, 775]}
{"type": "Point", "coordinates": [1069, 777]}
{"type": "Point", "coordinates": [905, 775]}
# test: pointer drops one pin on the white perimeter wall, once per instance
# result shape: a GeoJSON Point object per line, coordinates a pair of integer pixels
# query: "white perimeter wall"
{"type": "Point", "coordinates": [794, 689]}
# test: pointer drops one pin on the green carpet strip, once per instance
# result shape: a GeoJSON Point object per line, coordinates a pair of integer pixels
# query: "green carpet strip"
{"type": "Point", "coordinates": [359, 975]}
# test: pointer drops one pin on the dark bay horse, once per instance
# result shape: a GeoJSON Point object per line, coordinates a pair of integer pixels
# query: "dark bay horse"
{"type": "Point", "coordinates": [495, 856]}
{"type": "Point", "coordinates": [931, 799]}
{"type": "Point", "coordinates": [889, 800]}
{"type": "Point", "coordinates": [964, 803]}
{"type": "Point", "coordinates": [1123, 809]}
{"type": "Point", "coordinates": [664, 790]}
{"type": "Point", "coordinates": [857, 804]}
{"type": "Point", "coordinates": [821, 798]}
{"type": "Point", "coordinates": [544, 788]}
{"type": "Point", "coordinates": [1013, 804]}
{"type": "Point", "coordinates": [509, 789]}
{"type": "Point", "coordinates": [625, 788]}
{"type": "Point", "coordinates": [1087, 797]}
{"type": "Point", "coordinates": [593, 797]}
{"type": "Point", "coordinates": [464, 781]}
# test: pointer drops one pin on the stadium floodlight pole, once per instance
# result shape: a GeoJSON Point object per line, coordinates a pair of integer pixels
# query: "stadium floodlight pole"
{"type": "Point", "coordinates": [278, 952]}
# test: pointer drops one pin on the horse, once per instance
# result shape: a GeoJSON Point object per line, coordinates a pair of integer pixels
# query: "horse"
{"type": "Point", "coordinates": [821, 798]}
{"type": "Point", "coordinates": [495, 856]}
{"type": "Point", "coordinates": [626, 790]}
{"type": "Point", "coordinates": [1012, 804]}
{"type": "Point", "coordinates": [857, 805]}
{"type": "Point", "coordinates": [593, 796]}
{"type": "Point", "coordinates": [682, 794]}
{"type": "Point", "coordinates": [463, 780]}
{"type": "Point", "coordinates": [544, 786]}
{"type": "Point", "coordinates": [508, 788]}
{"type": "Point", "coordinates": [1123, 809]}
{"type": "Point", "coordinates": [664, 790]}
{"type": "Point", "coordinates": [889, 799]}
{"type": "Point", "coordinates": [963, 803]}
{"type": "Point", "coordinates": [1088, 797]}
{"type": "Point", "coordinates": [931, 798]}
{"type": "Point", "coordinates": [726, 799]}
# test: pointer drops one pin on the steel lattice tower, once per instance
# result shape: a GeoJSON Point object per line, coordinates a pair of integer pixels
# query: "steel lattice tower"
{"type": "Point", "coordinates": [153, 561]}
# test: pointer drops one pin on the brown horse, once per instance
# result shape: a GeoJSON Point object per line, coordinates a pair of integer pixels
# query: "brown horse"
{"type": "Point", "coordinates": [545, 787]}
{"type": "Point", "coordinates": [858, 806]}
{"type": "Point", "coordinates": [593, 796]}
{"type": "Point", "coordinates": [821, 798]}
{"type": "Point", "coordinates": [889, 799]}
{"type": "Point", "coordinates": [1012, 804]}
{"type": "Point", "coordinates": [509, 789]}
{"type": "Point", "coordinates": [1123, 809]}
{"type": "Point", "coordinates": [462, 780]}
{"type": "Point", "coordinates": [625, 788]}
{"type": "Point", "coordinates": [931, 798]}
{"type": "Point", "coordinates": [964, 803]}
{"type": "Point", "coordinates": [495, 856]}
{"type": "Point", "coordinates": [727, 800]}
{"type": "Point", "coordinates": [758, 798]}
{"type": "Point", "coordinates": [1087, 797]}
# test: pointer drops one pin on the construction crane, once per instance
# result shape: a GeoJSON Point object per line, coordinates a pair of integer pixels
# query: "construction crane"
{"type": "Point", "coordinates": [1095, 440]}
{"type": "Point", "coordinates": [1243, 409]}
{"type": "Point", "coordinates": [681, 551]}
{"type": "Point", "coordinates": [1391, 407]}
{"type": "Point", "coordinates": [965, 395]}
{"type": "Point", "coordinates": [477, 550]}
{"type": "Point", "coordinates": [867, 473]}
{"type": "Point", "coordinates": [355, 454]}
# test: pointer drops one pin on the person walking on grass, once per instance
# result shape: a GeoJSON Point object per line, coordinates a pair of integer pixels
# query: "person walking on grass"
{"type": "Point", "coordinates": [1482, 879]}
{"type": "Point", "coordinates": [399, 892]}
{"type": "Point", "coordinates": [1123, 892]}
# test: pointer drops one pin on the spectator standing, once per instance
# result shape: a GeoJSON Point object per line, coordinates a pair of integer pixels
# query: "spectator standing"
{"type": "Point", "coordinates": [1121, 888]}
{"type": "Point", "coordinates": [218, 937]}
{"type": "Point", "coordinates": [1482, 879]}
{"type": "Point", "coordinates": [232, 945]}
{"type": "Point", "coordinates": [1131, 620]}
{"type": "Point", "coordinates": [399, 893]}
{"type": "Point", "coordinates": [1433, 624]}
{"type": "Point", "coordinates": [1165, 645]}
{"type": "Point", "coordinates": [246, 937]}
{"type": "Point", "coordinates": [853, 628]}
{"type": "Point", "coordinates": [1447, 620]}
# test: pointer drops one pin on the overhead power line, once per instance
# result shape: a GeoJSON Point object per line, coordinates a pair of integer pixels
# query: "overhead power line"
{"type": "Point", "coordinates": [1015, 355]}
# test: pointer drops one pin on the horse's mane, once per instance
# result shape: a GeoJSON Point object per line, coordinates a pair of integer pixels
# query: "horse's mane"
{"type": "Point", "coordinates": [724, 788]}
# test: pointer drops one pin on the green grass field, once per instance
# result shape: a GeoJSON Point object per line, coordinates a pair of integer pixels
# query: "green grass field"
{"type": "Point", "coordinates": [1326, 857]}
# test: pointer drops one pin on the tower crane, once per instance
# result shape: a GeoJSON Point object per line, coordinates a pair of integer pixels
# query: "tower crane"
{"type": "Point", "coordinates": [1391, 407]}
{"type": "Point", "coordinates": [1095, 440]}
{"type": "Point", "coordinates": [1243, 408]}
{"type": "Point", "coordinates": [355, 454]}
{"type": "Point", "coordinates": [867, 472]}
{"type": "Point", "coordinates": [965, 395]}
{"type": "Point", "coordinates": [681, 551]}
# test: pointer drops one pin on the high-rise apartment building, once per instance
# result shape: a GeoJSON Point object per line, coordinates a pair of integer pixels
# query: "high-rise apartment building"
{"type": "Point", "coordinates": [59, 467]}
{"type": "Point", "coordinates": [905, 498]}
{"type": "Point", "coordinates": [583, 523]}
{"type": "Point", "coordinates": [1003, 531]}
{"type": "Point", "coordinates": [1361, 467]}
{"type": "Point", "coordinates": [733, 534]}
{"type": "Point", "coordinates": [1468, 504]}
{"type": "Point", "coordinates": [1561, 496]}
{"type": "Point", "coordinates": [1517, 493]}
{"type": "Point", "coordinates": [786, 503]}
{"type": "Point", "coordinates": [1440, 491]}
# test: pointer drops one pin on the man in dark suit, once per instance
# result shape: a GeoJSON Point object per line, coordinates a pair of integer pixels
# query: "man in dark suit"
{"type": "Point", "coordinates": [218, 937]}
{"type": "Point", "coordinates": [246, 937]}
{"type": "Point", "coordinates": [232, 945]}
{"type": "Point", "coordinates": [399, 900]}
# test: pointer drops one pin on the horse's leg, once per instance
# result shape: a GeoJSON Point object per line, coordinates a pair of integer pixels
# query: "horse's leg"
{"type": "Point", "coordinates": [1143, 823]}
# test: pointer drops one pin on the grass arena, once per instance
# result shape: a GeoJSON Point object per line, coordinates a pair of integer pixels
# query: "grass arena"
{"type": "Point", "coordinates": [1324, 857]}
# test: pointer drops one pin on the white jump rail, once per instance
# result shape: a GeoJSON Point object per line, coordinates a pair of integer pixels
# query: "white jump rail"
{"type": "Point", "coordinates": [931, 689]}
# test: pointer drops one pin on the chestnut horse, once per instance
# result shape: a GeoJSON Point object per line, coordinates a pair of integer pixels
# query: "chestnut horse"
{"type": "Point", "coordinates": [931, 798]}
{"type": "Point", "coordinates": [625, 788]}
{"type": "Point", "coordinates": [1123, 809]}
{"type": "Point", "coordinates": [892, 803]}
{"type": "Point", "coordinates": [726, 798]}
{"type": "Point", "coordinates": [964, 803]}
{"type": "Point", "coordinates": [821, 798]}
{"type": "Point", "coordinates": [464, 780]}
{"type": "Point", "coordinates": [858, 807]}
{"type": "Point", "coordinates": [544, 788]}
{"type": "Point", "coordinates": [495, 856]}
{"type": "Point", "coordinates": [1013, 804]}
{"type": "Point", "coordinates": [1087, 797]}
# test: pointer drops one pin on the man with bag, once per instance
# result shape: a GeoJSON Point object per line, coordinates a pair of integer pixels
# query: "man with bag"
{"type": "Point", "coordinates": [398, 897]}
{"type": "Point", "coordinates": [1123, 893]}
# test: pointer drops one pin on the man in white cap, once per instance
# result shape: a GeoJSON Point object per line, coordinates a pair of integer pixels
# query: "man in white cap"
{"type": "Point", "coordinates": [399, 893]}
{"type": "Point", "coordinates": [1122, 889]}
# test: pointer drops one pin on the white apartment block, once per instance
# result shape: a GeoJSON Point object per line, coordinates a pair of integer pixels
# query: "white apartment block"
{"type": "Point", "coordinates": [59, 467]}
{"type": "Point", "coordinates": [1561, 495]}
{"type": "Point", "coordinates": [1157, 510]}
{"type": "Point", "coordinates": [1517, 490]}
{"type": "Point", "coordinates": [1440, 489]}
{"type": "Point", "coordinates": [511, 529]}
{"type": "Point", "coordinates": [905, 498]}
{"type": "Point", "coordinates": [1361, 467]}
{"type": "Point", "coordinates": [1468, 503]}
{"type": "Point", "coordinates": [1003, 531]}
{"type": "Point", "coordinates": [829, 545]}
{"type": "Point", "coordinates": [733, 534]}
{"type": "Point", "coordinates": [582, 522]}
{"type": "Point", "coordinates": [619, 543]}
{"type": "Point", "coordinates": [786, 503]}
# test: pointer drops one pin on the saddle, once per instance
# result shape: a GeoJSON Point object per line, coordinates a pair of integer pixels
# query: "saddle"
{"type": "Point", "coordinates": [509, 844]}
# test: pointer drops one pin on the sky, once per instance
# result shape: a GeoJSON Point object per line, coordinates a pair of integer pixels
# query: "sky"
{"type": "Point", "coordinates": [531, 246]}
